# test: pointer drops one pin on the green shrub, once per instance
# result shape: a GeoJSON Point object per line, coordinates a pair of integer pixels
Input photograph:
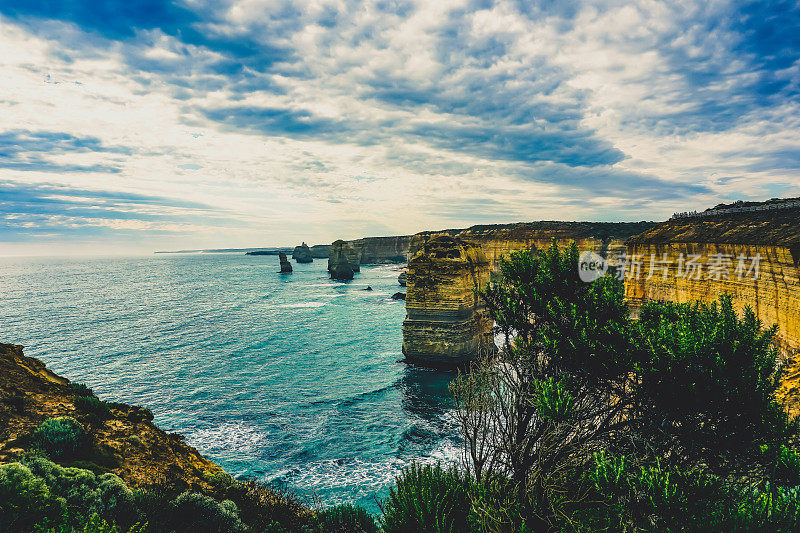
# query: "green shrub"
{"type": "Point", "coordinates": [94, 407]}
{"type": "Point", "coordinates": [261, 505]}
{"type": "Point", "coordinates": [197, 512]}
{"type": "Point", "coordinates": [79, 390]}
{"type": "Point", "coordinates": [343, 519]}
{"type": "Point", "coordinates": [87, 493]}
{"type": "Point", "coordinates": [428, 498]}
{"type": "Point", "coordinates": [26, 501]}
{"type": "Point", "coordinates": [58, 437]}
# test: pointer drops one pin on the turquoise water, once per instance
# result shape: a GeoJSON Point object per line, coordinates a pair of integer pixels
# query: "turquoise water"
{"type": "Point", "coordinates": [289, 378]}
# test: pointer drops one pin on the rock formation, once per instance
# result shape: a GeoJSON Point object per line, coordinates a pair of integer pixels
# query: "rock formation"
{"type": "Point", "coordinates": [399, 296]}
{"type": "Point", "coordinates": [401, 279]}
{"type": "Point", "coordinates": [381, 250]}
{"type": "Point", "coordinates": [320, 251]}
{"type": "Point", "coordinates": [286, 266]}
{"type": "Point", "coordinates": [340, 260]}
{"type": "Point", "coordinates": [446, 324]}
{"type": "Point", "coordinates": [302, 254]}
{"type": "Point", "coordinates": [30, 393]}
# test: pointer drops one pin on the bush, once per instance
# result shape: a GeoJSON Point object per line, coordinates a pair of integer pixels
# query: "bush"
{"type": "Point", "coordinates": [58, 437]}
{"type": "Point", "coordinates": [26, 501]}
{"type": "Point", "coordinates": [87, 493]}
{"type": "Point", "coordinates": [97, 409]}
{"type": "Point", "coordinates": [197, 512]}
{"type": "Point", "coordinates": [343, 519]}
{"type": "Point", "coordinates": [80, 390]}
{"type": "Point", "coordinates": [262, 506]}
{"type": "Point", "coordinates": [631, 497]}
{"type": "Point", "coordinates": [428, 498]}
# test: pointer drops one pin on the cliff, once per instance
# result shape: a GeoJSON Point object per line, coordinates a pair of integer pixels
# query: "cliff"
{"type": "Point", "coordinates": [446, 324]}
{"type": "Point", "coordinates": [606, 238]}
{"type": "Point", "coordinates": [754, 257]}
{"type": "Point", "coordinates": [343, 260]}
{"type": "Point", "coordinates": [126, 442]}
{"type": "Point", "coordinates": [377, 250]}
{"type": "Point", "coordinates": [320, 251]}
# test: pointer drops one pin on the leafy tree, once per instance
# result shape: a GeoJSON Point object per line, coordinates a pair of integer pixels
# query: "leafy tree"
{"type": "Point", "coordinates": [562, 387]}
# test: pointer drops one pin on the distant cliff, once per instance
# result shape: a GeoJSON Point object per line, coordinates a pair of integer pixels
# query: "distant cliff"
{"type": "Point", "coordinates": [377, 250]}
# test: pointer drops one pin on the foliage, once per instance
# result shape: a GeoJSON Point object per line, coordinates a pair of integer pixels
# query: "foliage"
{"type": "Point", "coordinates": [96, 408]}
{"type": "Point", "coordinates": [58, 437]}
{"type": "Point", "coordinates": [677, 408]}
{"type": "Point", "coordinates": [197, 512]}
{"type": "Point", "coordinates": [262, 506]}
{"type": "Point", "coordinates": [343, 519]}
{"type": "Point", "coordinates": [26, 501]}
{"type": "Point", "coordinates": [633, 497]}
{"type": "Point", "coordinates": [428, 498]}
{"type": "Point", "coordinates": [563, 384]}
{"type": "Point", "coordinates": [80, 390]}
{"type": "Point", "coordinates": [707, 389]}
{"type": "Point", "coordinates": [86, 493]}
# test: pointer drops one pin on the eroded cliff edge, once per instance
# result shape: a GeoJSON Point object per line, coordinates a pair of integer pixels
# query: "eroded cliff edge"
{"type": "Point", "coordinates": [30, 394]}
{"type": "Point", "coordinates": [445, 323]}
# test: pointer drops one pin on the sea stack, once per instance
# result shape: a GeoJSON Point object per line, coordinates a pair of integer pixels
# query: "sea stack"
{"type": "Point", "coordinates": [302, 254]}
{"type": "Point", "coordinates": [339, 261]}
{"type": "Point", "coordinates": [446, 323]}
{"type": "Point", "coordinates": [401, 279]}
{"type": "Point", "coordinates": [286, 266]}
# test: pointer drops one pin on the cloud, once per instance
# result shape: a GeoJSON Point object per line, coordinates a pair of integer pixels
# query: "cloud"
{"type": "Point", "coordinates": [402, 115]}
{"type": "Point", "coordinates": [32, 150]}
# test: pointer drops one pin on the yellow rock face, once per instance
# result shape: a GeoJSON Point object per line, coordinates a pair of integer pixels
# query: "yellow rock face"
{"type": "Point", "coordinates": [446, 325]}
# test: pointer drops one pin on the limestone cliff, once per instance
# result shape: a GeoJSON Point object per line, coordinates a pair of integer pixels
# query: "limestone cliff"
{"type": "Point", "coordinates": [29, 394]}
{"type": "Point", "coordinates": [606, 238]}
{"type": "Point", "coordinates": [320, 251]}
{"type": "Point", "coordinates": [343, 260]}
{"type": "Point", "coordinates": [446, 324]}
{"type": "Point", "coordinates": [302, 254]}
{"type": "Point", "coordinates": [378, 250]}
{"type": "Point", "coordinates": [725, 248]}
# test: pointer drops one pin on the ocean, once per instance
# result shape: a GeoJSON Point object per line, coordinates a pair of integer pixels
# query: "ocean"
{"type": "Point", "coordinates": [294, 379]}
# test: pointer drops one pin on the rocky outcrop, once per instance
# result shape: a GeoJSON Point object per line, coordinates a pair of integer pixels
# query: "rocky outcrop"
{"type": "Point", "coordinates": [446, 324]}
{"type": "Point", "coordinates": [286, 266]}
{"type": "Point", "coordinates": [30, 394]}
{"type": "Point", "coordinates": [401, 279]}
{"type": "Point", "coordinates": [399, 296]}
{"type": "Point", "coordinates": [723, 249]}
{"type": "Point", "coordinates": [382, 250]}
{"type": "Point", "coordinates": [341, 260]}
{"type": "Point", "coordinates": [302, 254]}
{"type": "Point", "coordinates": [320, 251]}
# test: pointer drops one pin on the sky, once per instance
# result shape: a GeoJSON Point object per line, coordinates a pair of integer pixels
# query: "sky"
{"type": "Point", "coordinates": [131, 126]}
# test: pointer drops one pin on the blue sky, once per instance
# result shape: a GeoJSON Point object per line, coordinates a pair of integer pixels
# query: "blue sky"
{"type": "Point", "coordinates": [131, 126]}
